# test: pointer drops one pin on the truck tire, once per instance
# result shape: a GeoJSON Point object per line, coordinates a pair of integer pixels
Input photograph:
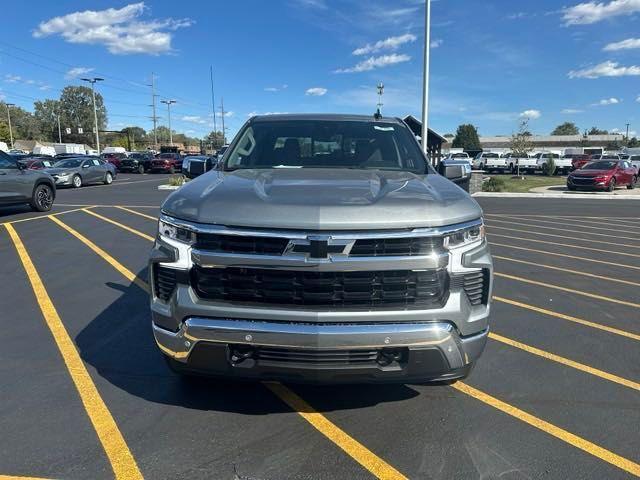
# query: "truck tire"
{"type": "Point", "coordinates": [141, 169]}
{"type": "Point", "coordinates": [42, 198]}
{"type": "Point", "coordinates": [76, 181]}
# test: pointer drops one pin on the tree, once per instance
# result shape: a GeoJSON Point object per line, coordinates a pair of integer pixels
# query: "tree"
{"type": "Point", "coordinates": [76, 106]}
{"type": "Point", "coordinates": [633, 142]}
{"type": "Point", "coordinates": [23, 125]}
{"type": "Point", "coordinates": [448, 135]}
{"type": "Point", "coordinates": [214, 138]}
{"type": "Point", "coordinates": [46, 114]}
{"type": "Point", "coordinates": [466, 138]}
{"type": "Point", "coordinates": [521, 143]}
{"type": "Point", "coordinates": [597, 131]}
{"type": "Point", "coordinates": [567, 128]}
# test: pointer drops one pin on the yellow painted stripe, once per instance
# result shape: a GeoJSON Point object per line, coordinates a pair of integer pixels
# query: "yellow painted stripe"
{"type": "Point", "coordinates": [551, 429]}
{"type": "Point", "coordinates": [122, 462]}
{"type": "Point", "coordinates": [569, 290]}
{"type": "Point", "coordinates": [555, 254]}
{"type": "Point", "coordinates": [120, 225]}
{"type": "Point", "coordinates": [569, 318]}
{"type": "Point", "coordinates": [509, 222]}
{"type": "Point", "coordinates": [582, 239]}
{"type": "Point", "coordinates": [567, 270]}
{"type": "Point", "coordinates": [40, 217]}
{"type": "Point", "coordinates": [578, 247]}
{"type": "Point", "coordinates": [361, 454]}
{"type": "Point", "coordinates": [128, 274]}
{"type": "Point", "coordinates": [155, 219]}
{"type": "Point", "coordinates": [565, 361]}
{"type": "Point", "coordinates": [566, 224]}
{"type": "Point", "coordinates": [103, 205]}
{"type": "Point", "coordinates": [19, 477]}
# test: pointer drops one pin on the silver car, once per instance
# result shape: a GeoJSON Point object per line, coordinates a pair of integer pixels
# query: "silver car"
{"type": "Point", "coordinates": [19, 185]}
{"type": "Point", "coordinates": [324, 249]}
{"type": "Point", "coordinates": [79, 171]}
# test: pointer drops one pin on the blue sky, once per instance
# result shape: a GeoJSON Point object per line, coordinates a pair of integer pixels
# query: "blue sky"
{"type": "Point", "coordinates": [492, 60]}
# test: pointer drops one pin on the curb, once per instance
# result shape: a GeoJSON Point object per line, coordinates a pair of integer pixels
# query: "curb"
{"type": "Point", "coordinates": [576, 196]}
{"type": "Point", "coordinates": [169, 187]}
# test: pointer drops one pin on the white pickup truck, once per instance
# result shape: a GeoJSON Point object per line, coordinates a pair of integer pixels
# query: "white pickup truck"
{"type": "Point", "coordinates": [563, 165]}
{"type": "Point", "coordinates": [526, 163]}
{"type": "Point", "coordinates": [490, 161]}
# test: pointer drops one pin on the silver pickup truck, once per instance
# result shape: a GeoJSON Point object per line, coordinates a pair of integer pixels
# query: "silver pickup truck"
{"type": "Point", "coordinates": [324, 249]}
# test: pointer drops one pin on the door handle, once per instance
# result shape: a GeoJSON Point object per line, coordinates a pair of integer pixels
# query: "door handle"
{"type": "Point", "coordinates": [3, 173]}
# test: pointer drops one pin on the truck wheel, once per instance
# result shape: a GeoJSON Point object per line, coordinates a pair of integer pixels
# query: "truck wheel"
{"type": "Point", "coordinates": [42, 198]}
{"type": "Point", "coordinates": [141, 169]}
{"type": "Point", "coordinates": [108, 178]}
{"type": "Point", "coordinates": [172, 170]}
{"type": "Point", "coordinates": [76, 181]}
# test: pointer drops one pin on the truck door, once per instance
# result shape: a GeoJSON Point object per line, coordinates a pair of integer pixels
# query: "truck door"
{"type": "Point", "coordinates": [12, 181]}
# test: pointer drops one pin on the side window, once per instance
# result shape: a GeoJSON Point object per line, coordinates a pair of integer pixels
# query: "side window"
{"type": "Point", "coordinates": [7, 163]}
{"type": "Point", "coordinates": [95, 162]}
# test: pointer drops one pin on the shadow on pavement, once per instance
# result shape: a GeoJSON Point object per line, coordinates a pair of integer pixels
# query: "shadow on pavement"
{"type": "Point", "coordinates": [119, 344]}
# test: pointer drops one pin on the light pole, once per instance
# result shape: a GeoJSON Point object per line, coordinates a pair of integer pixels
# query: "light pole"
{"type": "Point", "coordinates": [59, 130]}
{"type": "Point", "coordinates": [9, 105]}
{"type": "Point", "coordinates": [169, 102]}
{"type": "Point", "coordinates": [380, 88]}
{"type": "Point", "coordinates": [425, 77]}
{"type": "Point", "coordinates": [93, 81]}
{"type": "Point", "coordinates": [627, 137]}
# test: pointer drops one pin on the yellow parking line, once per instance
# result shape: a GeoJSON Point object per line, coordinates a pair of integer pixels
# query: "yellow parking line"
{"type": "Point", "coordinates": [551, 429]}
{"type": "Point", "coordinates": [155, 219]}
{"type": "Point", "coordinates": [568, 290]}
{"type": "Point", "coordinates": [564, 230]}
{"type": "Point", "coordinates": [43, 216]}
{"type": "Point", "coordinates": [565, 361]}
{"type": "Point", "coordinates": [128, 274]}
{"type": "Point", "coordinates": [122, 462]}
{"type": "Point", "coordinates": [546, 252]}
{"type": "Point", "coordinates": [583, 239]}
{"type": "Point", "coordinates": [567, 270]}
{"type": "Point", "coordinates": [120, 225]}
{"type": "Point", "coordinates": [102, 205]}
{"type": "Point", "coordinates": [361, 454]}
{"type": "Point", "coordinates": [606, 229]}
{"type": "Point", "coordinates": [19, 477]}
{"type": "Point", "coordinates": [569, 318]}
{"type": "Point", "coordinates": [579, 247]}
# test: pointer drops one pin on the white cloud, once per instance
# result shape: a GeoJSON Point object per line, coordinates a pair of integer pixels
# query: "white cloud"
{"type": "Point", "coordinates": [606, 101]}
{"type": "Point", "coordinates": [276, 89]}
{"type": "Point", "coordinates": [638, 99]}
{"type": "Point", "coordinates": [516, 15]}
{"type": "Point", "coordinates": [313, 4]}
{"type": "Point", "coordinates": [375, 62]}
{"type": "Point", "coordinates": [532, 114]}
{"type": "Point", "coordinates": [627, 44]}
{"type": "Point", "coordinates": [316, 91]}
{"type": "Point", "coordinates": [12, 78]}
{"type": "Point", "coordinates": [230, 113]}
{"type": "Point", "coordinates": [592, 12]}
{"type": "Point", "coordinates": [605, 69]}
{"type": "Point", "coordinates": [121, 31]}
{"type": "Point", "coordinates": [44, 87]}
{"type": "Point", "coordinates": [391, 43]}
{"type": "Point", "coordinates": [77, 72]}
{"type": "Point", "coordinates": [254, 113]}
{"type": "Point", "coordinates": [193, 119]}
{"type": "Point", "coordinates": [436, 42]}
{"type": "Point", "coordinates": [571, 110]}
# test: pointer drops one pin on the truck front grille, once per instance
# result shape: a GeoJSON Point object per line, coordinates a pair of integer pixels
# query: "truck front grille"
{"type": "Point", "coordinates": [317, 357]}
{"type": "Point", "coordinates": [377, 247]}
{"type": "Point", "coordinates": [404, 289]}
{"type": "Point", "coordinates": [164, 281]}
{"type": "Point", "coordinates": [241, 244]}
{"type": "Point", "coordinates": [475, 286]}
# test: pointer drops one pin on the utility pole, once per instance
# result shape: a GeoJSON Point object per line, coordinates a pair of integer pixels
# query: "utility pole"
{"type": "Point", "coordinates": [9, 105]}
{"type": "Point", "coordinates": [213, 106]}
{"type": "Point", "coordinates": [627, 137]}
{"type": "Point", "coordinates": [93, 81]}
{"type": "Point", "coordinates": [153, 105]}
{"type": "Point", "coordinates": [425, 77]}
{"type": "Point", "coordinates": [224, 132]}
{"type": "Point", "coordinates": [169, 102]}
{"type": "Point", "coordinates": [59, 130]}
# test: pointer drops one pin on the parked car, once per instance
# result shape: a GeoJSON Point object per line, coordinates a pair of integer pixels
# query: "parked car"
{"type": "Point", "coordinates": [115, 158]}
{"type": "Point", "coordinates": [458, 156]}
{"type": "Point", "coordinates": [520, 162]}
{"type": "Point", "coordinates": [139, 162]}
{"type": "Point", "coordinates": [603, 175]}
{"type": "Point", "coordinates": [579, 160]}
{"type": "Point", "coordinates": [605, 156]}
{"type": "Point", "coordinates": [19, 185]}
{"type": "Point", "coordinates": [37, 163]}
{"type": "Point", "coordinates": [562, 165]}
{"type": "Point", "coordinates": [306, 257]}
{"type": "Point", "coordinates": [79, 171]}
{"type": "Point", "coordinates": [221, 150]}
{"type": "Point", "coordinates": [167, 163]}
{"type": "Point", "coordinates": [635, 162]}
{"type": "Point", "coordinates": [61, 156]}
{"type": "Point", "coordinates": [490, 161]}
{"type": "Point", "coordinates": [195, 165]}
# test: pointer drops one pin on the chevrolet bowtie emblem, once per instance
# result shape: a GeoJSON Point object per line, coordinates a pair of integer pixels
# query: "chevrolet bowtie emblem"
{"type": "Point", "coordinates": [318, 247]}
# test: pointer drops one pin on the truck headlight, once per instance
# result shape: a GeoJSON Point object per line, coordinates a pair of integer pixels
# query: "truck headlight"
{"type": "Point", "coordinates": [174, 232]}
{"type": "Point", "coordinates": [464, 237]}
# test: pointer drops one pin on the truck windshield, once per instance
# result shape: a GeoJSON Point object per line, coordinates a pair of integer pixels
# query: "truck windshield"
{"type": "Point", "coordinates": [327, 144]}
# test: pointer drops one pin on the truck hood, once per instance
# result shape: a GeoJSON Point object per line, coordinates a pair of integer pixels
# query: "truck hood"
{"type": "Point", "coordinates": [322, 199]}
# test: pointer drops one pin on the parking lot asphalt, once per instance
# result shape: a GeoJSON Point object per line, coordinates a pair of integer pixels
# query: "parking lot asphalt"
{"type": "Point", "coordinates": [86, 394]}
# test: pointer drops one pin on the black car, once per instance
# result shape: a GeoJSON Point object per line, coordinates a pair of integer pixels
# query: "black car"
{"type": "Point", "coordinates": [195, 165]}
{"type": "Point", "coordinates": [139, 162]}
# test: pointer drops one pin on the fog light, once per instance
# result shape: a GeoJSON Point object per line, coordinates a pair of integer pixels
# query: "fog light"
{"type": "Point", "coordinates": [388, 356]}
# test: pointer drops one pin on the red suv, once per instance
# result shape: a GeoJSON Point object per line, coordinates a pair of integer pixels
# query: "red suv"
{"type": "Point", "coordinates": [114, 158]}
{"type": "Point", "coordinates": [603, 175]}
{"type": "Point", "coordinates": [579, 161]}
{"type": "Point", "coordinates": [167, 162]}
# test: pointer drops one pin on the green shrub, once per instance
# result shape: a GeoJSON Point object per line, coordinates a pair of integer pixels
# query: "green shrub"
{"type": "Point", "coordinates": [494, 184]}
{"type": "Point", "coordinates": [177, 180]}
{"type": "Point", "coordinates": [549, 167]}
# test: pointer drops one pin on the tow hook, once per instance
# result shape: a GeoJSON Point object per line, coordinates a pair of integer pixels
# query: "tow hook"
{"type": "Point", "coordinates": [242, 356]}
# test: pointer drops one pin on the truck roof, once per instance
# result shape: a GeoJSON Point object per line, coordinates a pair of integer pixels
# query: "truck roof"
{"type": "Point", "coordinates": [336, 117]}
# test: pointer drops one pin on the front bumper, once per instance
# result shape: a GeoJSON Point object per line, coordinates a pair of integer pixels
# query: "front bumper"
{"type": "Point", "coordinates": [63, 182]}
{"type": "Point", "coordinates": [423, 351]}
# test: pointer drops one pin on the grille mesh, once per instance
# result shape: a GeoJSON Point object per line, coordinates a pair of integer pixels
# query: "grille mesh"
{"type": "Point", "coordinates": [241, 244]}
{"type": "Point", "coordinates": [164, 282]}
{"type": "Point", "coordinates": [475, 285]}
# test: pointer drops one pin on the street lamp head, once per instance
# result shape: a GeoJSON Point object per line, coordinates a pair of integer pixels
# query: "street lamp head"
{"type": "Point", "coordinates": [10, 105]}
{"type": "Point", "coordinates": [98, 79]}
